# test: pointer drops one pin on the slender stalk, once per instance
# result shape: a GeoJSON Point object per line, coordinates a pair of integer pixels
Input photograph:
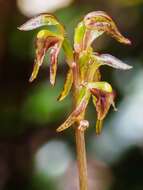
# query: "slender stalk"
{"type": "Point", "coordinates": [81, 158]}
{"type": "Point", "coordinates": [79, 134]}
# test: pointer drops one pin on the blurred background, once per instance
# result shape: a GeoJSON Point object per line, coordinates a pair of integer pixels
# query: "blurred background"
{"type": "Point", "coordinates": [32, 155]}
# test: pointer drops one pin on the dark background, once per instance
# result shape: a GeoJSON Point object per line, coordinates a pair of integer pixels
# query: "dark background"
{"type": "Point", "coordinates": [32, 155]}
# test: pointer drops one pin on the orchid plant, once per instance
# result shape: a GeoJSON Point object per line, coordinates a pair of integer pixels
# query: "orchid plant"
{"type": "Point", "coordinates": [84, 70]}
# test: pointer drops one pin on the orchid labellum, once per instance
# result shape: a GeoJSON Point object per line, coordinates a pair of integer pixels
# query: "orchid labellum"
{"type": "Point", "coordinates": [84, 64]}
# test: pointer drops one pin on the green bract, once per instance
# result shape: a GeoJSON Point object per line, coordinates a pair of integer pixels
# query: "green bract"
{"type": "Point", "coordinates": [84, 64]}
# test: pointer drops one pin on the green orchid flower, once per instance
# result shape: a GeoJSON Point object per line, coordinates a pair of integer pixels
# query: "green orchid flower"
{"type": "Point", "coordinates": [84, 64]}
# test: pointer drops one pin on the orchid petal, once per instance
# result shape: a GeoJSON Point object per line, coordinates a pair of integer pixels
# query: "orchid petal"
{"type": "Point", "coordinates": [106, 59]}
{"type": "Point", "coordinates": [101, 21]}
{"type": "Point", "coordinates": [41, 20]}
{"type": "Point", "coordinates": [42, 45]}
{"type": "Point", "coordinates": [67, 85]}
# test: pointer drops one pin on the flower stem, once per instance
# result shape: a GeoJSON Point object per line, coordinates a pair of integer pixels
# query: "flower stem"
{"type": "Point", "coordinates": [79, 134]}
{"type": "Point", "coordinates": [81, 158]}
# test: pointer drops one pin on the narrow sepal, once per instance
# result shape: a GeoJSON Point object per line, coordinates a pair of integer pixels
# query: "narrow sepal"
{"type": "Point", "coordinates": [106, 59]}
{"type": "Point", "coordinates": [67, 85]}
{"type": "Point", "coordinates": [101, 21]}
{"type": "Point", "coordinates": [39, 20]}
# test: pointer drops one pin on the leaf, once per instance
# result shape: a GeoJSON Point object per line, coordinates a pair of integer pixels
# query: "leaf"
{"type": "Point", "coordinates": [41, 20]}
{"type": "Point", "coordinates": [78, 37]}
{"type": "Point", "coordinates": [106, 59]}
{"type": "Point", "coordinates": [101, 21]}
{"type": "Point", "coordinates": [67, 85]}
{"type": "Point", "coordinates": [55, 50]}
{"type": "Point", "coordinates": [68, 51]}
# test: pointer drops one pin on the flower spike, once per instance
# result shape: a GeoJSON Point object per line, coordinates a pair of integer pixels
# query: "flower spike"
{"type": "Point", "coordinates": [84, 64]}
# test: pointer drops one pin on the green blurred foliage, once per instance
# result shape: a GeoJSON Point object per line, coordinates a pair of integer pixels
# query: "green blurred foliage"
{"type": "Point", "coordinates": [41, 106]}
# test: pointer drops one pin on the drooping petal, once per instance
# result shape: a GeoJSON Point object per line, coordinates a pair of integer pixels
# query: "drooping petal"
{"type": "Point", "coordinates": [41, 45]}
{"type": "Point", "coordinates": [67, 85]}
{"type": "Point", "coordinates": [41, 20]}
{"type": "Point", "coordinates": [101, 21]}
{"type": "Point", "coordinates": [106, 59]}
{"type": "Point", "coordinates": [55, 50]}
